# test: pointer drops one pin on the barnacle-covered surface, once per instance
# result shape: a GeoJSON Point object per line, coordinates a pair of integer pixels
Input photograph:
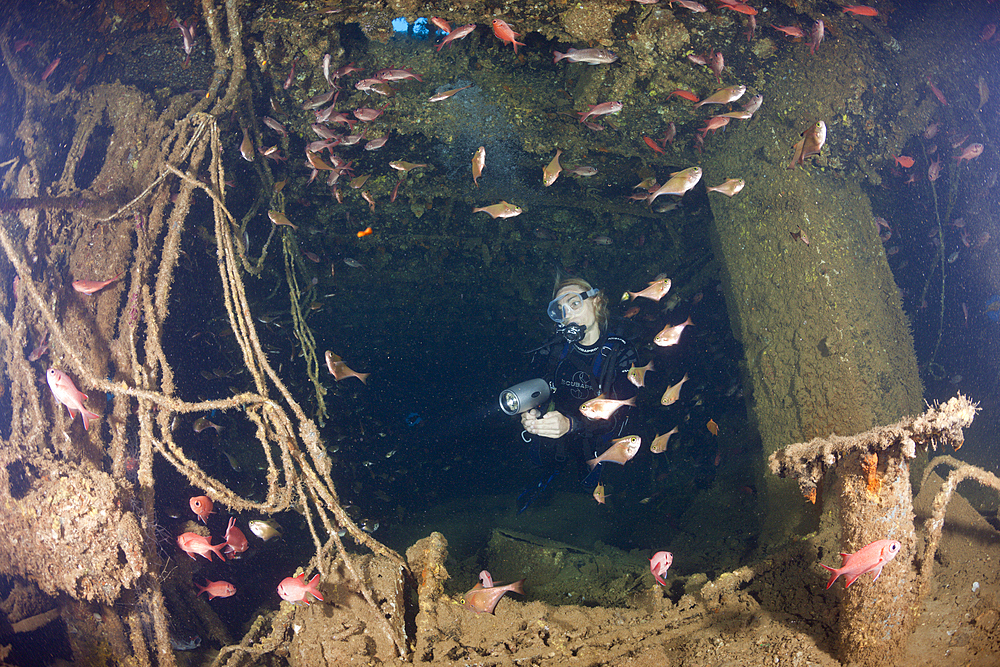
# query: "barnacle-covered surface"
{"type": "Point", "coordinates": [126, 160]}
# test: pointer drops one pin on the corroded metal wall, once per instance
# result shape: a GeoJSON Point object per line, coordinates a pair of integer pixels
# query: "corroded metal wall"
{"type": "Point", "coordinates": [827, 346]}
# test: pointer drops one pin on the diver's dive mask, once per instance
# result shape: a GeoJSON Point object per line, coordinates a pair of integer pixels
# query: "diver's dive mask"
{"type": "Point", "coordinates": [564, 307]}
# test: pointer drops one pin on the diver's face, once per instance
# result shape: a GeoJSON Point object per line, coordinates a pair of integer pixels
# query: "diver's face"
{"type": "Point", "coordinates": [576, 309]}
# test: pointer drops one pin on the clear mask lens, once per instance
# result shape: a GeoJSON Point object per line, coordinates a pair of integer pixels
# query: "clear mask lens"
{"type": "Point", "coordinates": [566, 306]}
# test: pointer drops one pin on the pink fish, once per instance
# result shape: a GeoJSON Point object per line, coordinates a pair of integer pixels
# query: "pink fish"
{"type": "Point", "coordinates": [484, 600]}
{"type": "Point", "coordinates": [600, 110]}
{"type": "Point", "coordinates": [671, 335]}
{"type": "Point", "coordinates": [817, 36]}
{"type": "Point", "coordinates": [457, 33]}
{"type": "Point", "coordinates": [295, 589]}
{"type": "Point", "coordinates": [486, 579]}
{"type": "Point", "coordinates": [659, 564]}
{"type": "Point", "coordinates": [236, 541]}
{"type": "Point", "coordinates": [871, 558]}
{"type": "Point", "coordinates": [193, 543]}
{"type": "Point", "coordinates": [51, 68]}
{"type": "Point", "coordinates": [217, 589]}
{"type": "Point", "coordinates": [66, 393]}
{"type": "Point", "coordinates": [603, 408]}
{"type": "Point", "coordinates": [971, 152]}
{"type": "Point", "coordinates": [91, 286]}
{"type": "Point", "coordinates": [937, 93]}
{"type": "Point", "coordinates": [621, 451]}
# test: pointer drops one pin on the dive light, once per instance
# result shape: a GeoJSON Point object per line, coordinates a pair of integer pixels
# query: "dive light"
{"type": "Point", "coordinates": [524, 396]}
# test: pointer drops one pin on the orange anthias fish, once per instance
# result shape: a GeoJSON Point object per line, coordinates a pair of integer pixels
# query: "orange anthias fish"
{"type": "Point", "coordinates": [659, 444]}
{"type": "Point", "coordinates": [236, 541]}
{"type": "Point", "coordinates": [478, 164]}
{"type": "Point", "coordinates": [603, 408]}
{"type": "Point", "coordinates": [871, 558]}
{"type": "Point", "coordinates": [339, 370]}
{"type": "Point", "coordinates": [217, 589]}
{"type": "Point", "coordinates": [656, 291]}
{"type": "Point", "coordinates": [296, 590]}
{"type": "Point", "coordinates": [201, 506]}
{"type": "Point", "coordinates": [673, 393]}
{"type": "Point", "coordinates": [621, 451]}
{"type": "Point", "coordinates": [484, 600]}
{"type": "Point", "coordinates": [66, 393]}
{"type": "Point", "coordinates": [506, 34]}
{"type": "Point", "coordinates": [91, 286]}
{"type": "Point", "coordinates": [904, 161]}
{"type": "Point", "coordinates": [501, 210]}
{"type": "Point", "coordinates": [193, 543]}
{"type": "Point", "coordinates": [671, 335]}
{"type": "Point", "coordinates": [712, 427]}
{"type": "Point", "coordinates": [637, 374]}
{"type": "Point", "coordinates": [551, 171]}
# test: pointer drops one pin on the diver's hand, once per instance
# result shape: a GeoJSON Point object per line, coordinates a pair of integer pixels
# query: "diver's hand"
{"type": "Point", "coordinates": [550, 425]}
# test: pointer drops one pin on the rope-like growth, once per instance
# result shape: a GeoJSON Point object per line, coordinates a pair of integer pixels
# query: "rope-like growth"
{"type": "Point", "coordinates": [115, 346]}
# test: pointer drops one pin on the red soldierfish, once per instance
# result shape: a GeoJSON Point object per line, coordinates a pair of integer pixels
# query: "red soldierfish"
{"type": "Point", "coordinates": [861, 10]}
{"type": "Point", "coordinates": [659, 564]}
{"type": "Point", "coordinates": [484, 600]}
{"type": "Point", "coordinates": [603, 408]}
{"type": "Point", "coordinates": [506, 34]}
{"type": "Point", "coordinates": [217, 589]}
{"type": "Point", "coordinates": [441, 24]}
{"type": "Point", "coordinates": [621, 451]}
{"type": "Point", "coordinates": [457, 33]}
{"type": "Point", "coordinates": [295, 589]}
{"type": "Point", "coordinates": [937, 93]}
{"type": "Point", "coordinates": [66, 393]}
{"type": "Point", "coordinates": [202, 507]}
{"type": "Point", "coordinates": [671, 335]}
{"type": "Point", "coordinates": [193, 543]}
{"type": "Point", "coordinates": [600, 110]}
{"type": "Point", "coordinates": [871, 558]}
{"type": "Point", "coordinates": [91, 286]}
{"type": "Point", "coordinates": [236, 541]}
{"type": "Point", "coordinates": [397, 75]}
{"type": "Point", "coordinates": [790, 30]}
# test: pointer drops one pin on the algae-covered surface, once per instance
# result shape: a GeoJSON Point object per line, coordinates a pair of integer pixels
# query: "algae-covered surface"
{"type": "Point", "coordinates": [315, 294]}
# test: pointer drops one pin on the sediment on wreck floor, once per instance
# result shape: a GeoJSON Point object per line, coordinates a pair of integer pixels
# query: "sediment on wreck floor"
{"type": "Point", "coordinates": [866, 482]}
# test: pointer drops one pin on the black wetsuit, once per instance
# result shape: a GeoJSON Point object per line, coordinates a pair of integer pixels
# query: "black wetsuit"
{"type": "Point", "coordinates": [580, 373]}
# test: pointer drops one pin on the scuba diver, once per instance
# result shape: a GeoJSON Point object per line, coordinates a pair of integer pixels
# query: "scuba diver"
{"type": "Point", "coordinates": [582, 362]}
